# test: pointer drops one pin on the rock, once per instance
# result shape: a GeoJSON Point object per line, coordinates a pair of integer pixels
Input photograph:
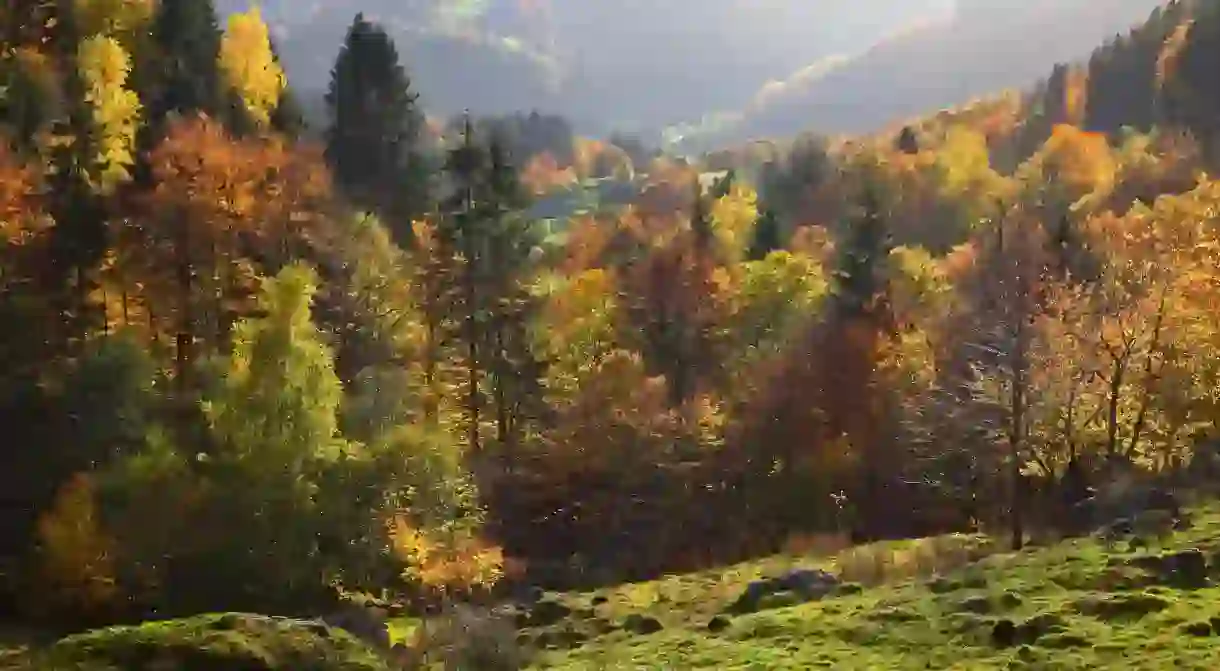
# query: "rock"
{"type": "Point", "coordinates": [1162, 499]}
{"type": "Point", "coordinates": [1198, 628]}
{"type": "Point", "coordinates": [718, 624]}
{"type": "Point", "coordinates": [810, 584]}
{"type": "Point", "coordinates": [641, 624]}
{"type": "Point", "coordinates": [1004, 634]}
{"type": "Point", "coordinates": [366, 624]}
{"type": "Point", "coordinates": [848, 589]}
{"type": "Point", "coordinates": [599, 600]}
{"type": "Point", "coordinates": [1010, 600]}
{"type": "Point", "coordinates": [1038, 626]}
{"type": "Point", "coordinates": [1188, 568]}
{"type": "Point", "coordinates": [547, 612]}
{"type": "Point", "coordinates": [805, 584]}
{"type": "Point", "coordinates": [749, 599]}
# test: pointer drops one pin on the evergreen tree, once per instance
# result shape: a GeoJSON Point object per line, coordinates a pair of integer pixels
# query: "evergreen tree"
{"type": "Point", "coordinates": [464, 230]}
{"type": "Point", "coordinates": [724, 185]}
{"type": "Point", "coordinates": [860, 278]}
{"type": "Point", "coordinates": [515, 371]}
{"type": "Point", "coordinates": [701, 222]}
{"type": "Point", "coordinates": [288, 117]}
{"type": "Point", "coordinates": [767, 236]}
{"type": "Point", "coordinates": [371, 143]}
{"type": "Point", "coordinates": [185, 67]}
{"type": "Point", "coordinates": [907, 142]}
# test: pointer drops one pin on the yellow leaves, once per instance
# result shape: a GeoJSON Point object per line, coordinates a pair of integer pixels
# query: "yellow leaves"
{"type": "Point", "coordinates": [77, 557]}
{"type": "Point", "coordinates": [962, 160]}
{"type": "Point", "coordinates": [450, 562]}
{"type": "Point", "coordinates": [104, 67]}
{"type": "Point", "coordinates": [733, 218]}
{"type": "Point", "coordinates": [1075, 162]}
{"type": "Point", "coordinates": [249, 66]}
{"type": "Point", "coordinates": [918, 283]}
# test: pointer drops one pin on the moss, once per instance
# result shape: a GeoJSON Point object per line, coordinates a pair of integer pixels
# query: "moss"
{"type": "Point", "coordinates": [224, 642]}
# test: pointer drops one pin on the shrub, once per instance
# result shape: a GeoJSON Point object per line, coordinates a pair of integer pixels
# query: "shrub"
{"type": "Point", "coordinates": [449, 561]}
{"type": "Point", "coordinates": [75, 555]}
{"type": "Point", "coordinates": [466, 638]}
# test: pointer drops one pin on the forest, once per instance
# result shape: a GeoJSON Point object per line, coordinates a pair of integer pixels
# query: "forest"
{"type": "Point", "coordinates": [249, 365]}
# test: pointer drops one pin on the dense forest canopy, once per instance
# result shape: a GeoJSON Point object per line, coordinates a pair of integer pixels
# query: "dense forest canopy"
{"type": "Point", "coordinates": [257, 361]}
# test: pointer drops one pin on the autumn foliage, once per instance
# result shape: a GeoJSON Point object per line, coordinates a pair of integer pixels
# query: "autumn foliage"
{"type": "Point", "coordinates": [246, 371]}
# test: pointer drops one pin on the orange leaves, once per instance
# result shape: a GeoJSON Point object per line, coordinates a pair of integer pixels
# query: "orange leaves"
{"type": "Point", "coordinates": [1081, 161]}
{"type": "Point", "coordinates": [451, 563]}
{"type": "Point", "coordinates": [77, 557]}
{"type": "Point", "coordinates": [21, 215]}
{"type": "Point", "coordinates": [542, 174]}
{"type": "Point", "coordinates": [259, 186]}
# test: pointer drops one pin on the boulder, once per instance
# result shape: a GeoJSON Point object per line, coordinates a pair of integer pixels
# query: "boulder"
{"type": "Point", "coordinates": [641, 624]}
{"type": "Point", "coordinates": [546, 613]}
{"type": "Point", "coordinates": [718, 624]}
{"type": "Point", "coordinates": [806, 584]}
{"type": "Point", "coordinates": [366, 624]}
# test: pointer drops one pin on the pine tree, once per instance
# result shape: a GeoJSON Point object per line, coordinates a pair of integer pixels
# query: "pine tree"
{"type": "Point", "coordinates": [860, 277]}
{"type": "Point", "coordinates": [515, 371]}
{"type": "Point", "coordinates": [907, 142]}
{"type": "Point", "coordinates": [186, 62]}
{"type": "Point", "coordinates": [701, 222]}
{"type": "Point", "coordinates": [767, 236]}
{"type": "Point", "coordinates": [463, 230]}
{"type": "Point", "coordinates": [371, 143]}
{"type": "Point", "coordinates": [288, 117]}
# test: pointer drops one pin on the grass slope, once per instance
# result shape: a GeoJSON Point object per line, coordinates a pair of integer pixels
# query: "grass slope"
{"type": "Point", "coordinates": [222, 642]}
{"type": "Point", "coordinates": [1076, 605]}
{"type": "Point", "coordinates": [936, 603]}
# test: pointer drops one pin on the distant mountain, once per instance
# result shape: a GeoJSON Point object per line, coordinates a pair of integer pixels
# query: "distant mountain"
{"type": "Point", "coordinates": [984, 46]}
{"type": "Point", "coordinates": [631, 64]}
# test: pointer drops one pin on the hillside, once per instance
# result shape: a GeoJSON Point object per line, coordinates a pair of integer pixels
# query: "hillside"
{"type": "Point", "coordinates": [1077, 605]}
{"type": "Point", "coordinates": [603, 63]}
{"type": "Point", "coordinates": [981, 49]}
{"type": "Point", "coordinates": [953, 602]}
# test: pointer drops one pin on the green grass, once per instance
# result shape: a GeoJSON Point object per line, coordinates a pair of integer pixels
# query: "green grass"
{"type": "Point", "coordinates": [222, 642]}
{"type": "Point", "coordinates": [935, 603]}
{"type": "Point", "coordinates": [1076, 605]}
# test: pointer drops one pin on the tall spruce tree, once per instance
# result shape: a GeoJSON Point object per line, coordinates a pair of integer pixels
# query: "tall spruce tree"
{"type": "Point", "coordinates": [464, 231]}
{"type": "Point", "coordinates": [372, 140]}
{"type": "Point", "coordinates": [860, 276]}
{"type": "Point", "coordinates": [767, 236]}
{"type": "Point", "coordinates": [515, 371]}
{"type": "Point", "coordinates": [288, 117]}
{"type": "Point", "coordinates": [185, 69]}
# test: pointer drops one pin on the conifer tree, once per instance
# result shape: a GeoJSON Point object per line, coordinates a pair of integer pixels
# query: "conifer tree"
{"type": "Point", "coordinates": [371, 142]}
{"type": "Point", "coordinates": [186, 62]}
{"type": "Point", "coordinates": [766, 237]}
{"type": "Point", "coordinates": [288, 117]}
{"type": "Point", "coordinates": [860, 277]}
{"type": "Point", "coordinates": [464, 230]}
{"type": "Point", "coordinates": [514, 369]}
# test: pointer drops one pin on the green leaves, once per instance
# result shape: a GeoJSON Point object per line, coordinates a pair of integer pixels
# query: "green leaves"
{"type": "Point", "coordinates": [278, 401]}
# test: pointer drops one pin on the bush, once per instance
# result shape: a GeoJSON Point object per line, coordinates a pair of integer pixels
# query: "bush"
{"type": "Point", "coordinates": [466, 638]}
{"type": "Point", "coordinates": [448, 562]}
{"type": "Point", "coordinates": [75, 556]}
